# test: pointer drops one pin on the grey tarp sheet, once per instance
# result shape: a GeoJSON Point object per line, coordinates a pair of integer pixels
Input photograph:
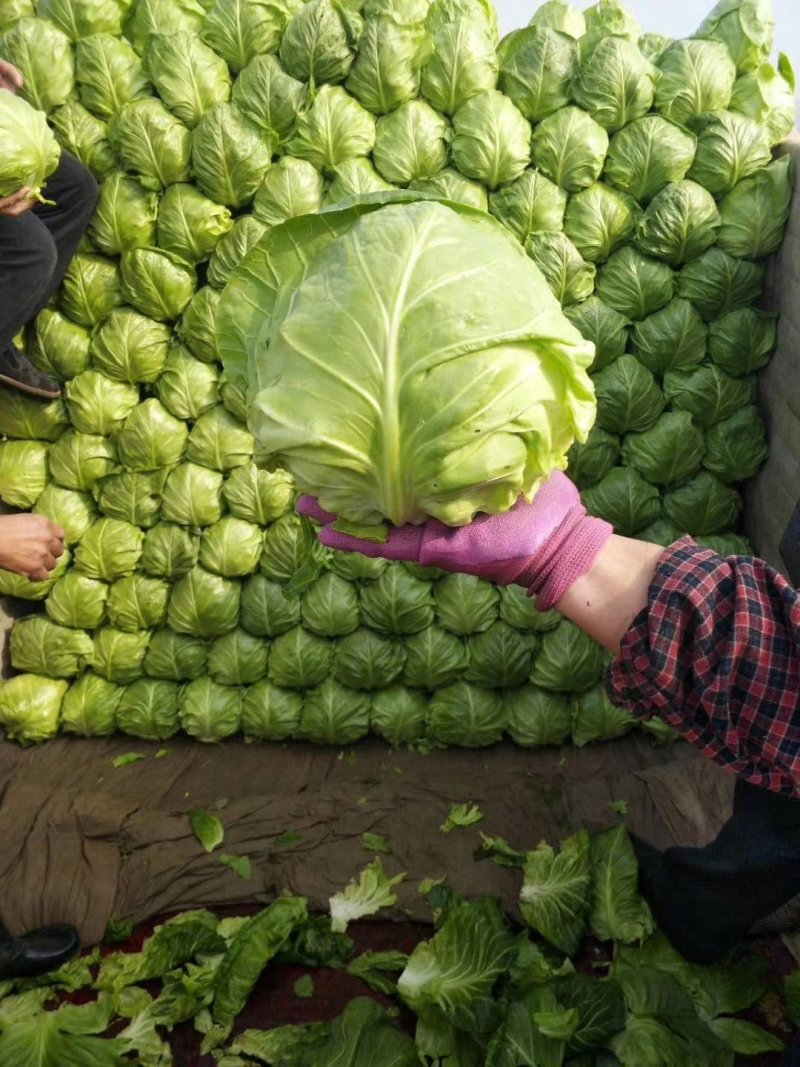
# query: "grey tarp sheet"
{"type": "Point", "coordinates": [83, 841]}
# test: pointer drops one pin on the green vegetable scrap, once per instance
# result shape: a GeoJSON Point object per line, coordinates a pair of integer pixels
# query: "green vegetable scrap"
{"type": "Point", "coordinates": [371, 892]}
{"type": "Point", "coordinates": [126, 758]}
{"type": "Point", "coordinates": [207, 828]}
{"type": "Point", "coordinates": [375, 843]}
{"type": "Point", "coordinates": [304, 987]}
{"type": "Point", "coordinates": [461, 815]}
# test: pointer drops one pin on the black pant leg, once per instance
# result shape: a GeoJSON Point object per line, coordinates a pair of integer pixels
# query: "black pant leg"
{"type": "Point", "coordinates": [706, 899]}
{"type": "Point", "coordinates": [36, 248]}
{"type": "Point", "coordinates": [74, 190]}
{"type": "Point", "coordinates": [28, 260]}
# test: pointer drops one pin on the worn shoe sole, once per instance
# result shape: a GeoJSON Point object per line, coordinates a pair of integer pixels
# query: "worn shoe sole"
{"type": "Point", "coordinates": [32, 390]}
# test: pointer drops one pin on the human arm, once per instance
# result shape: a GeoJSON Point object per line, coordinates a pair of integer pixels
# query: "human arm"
{"type": "Point", "coordinates": [30, 545]}
{"type": "Point", "coordinates": [569, 560]}
{"type": "Point", "coordinates": [17, 204]}
{"type": "Point", "coordinates": [605, 600]}
{"type": "Point", "coordinates": [710, 645]}
{"type": "Point", "coordinates": [10, 78]}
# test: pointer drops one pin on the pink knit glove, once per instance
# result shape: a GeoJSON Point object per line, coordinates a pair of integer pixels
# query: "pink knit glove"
{"type": "Point", "coordinates": [545, 545]}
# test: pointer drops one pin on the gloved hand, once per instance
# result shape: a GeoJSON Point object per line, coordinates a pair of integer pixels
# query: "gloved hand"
{"type": "Point", "coordinates": [545, 545]}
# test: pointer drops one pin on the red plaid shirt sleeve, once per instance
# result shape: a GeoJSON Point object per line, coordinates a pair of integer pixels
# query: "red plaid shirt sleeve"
{"type": "Point", "coordinates": [716, 654]}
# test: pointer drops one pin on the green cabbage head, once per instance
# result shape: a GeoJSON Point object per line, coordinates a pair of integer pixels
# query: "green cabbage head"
{"type": "Point", "coordinates": [30, 151]}
{"type": "Point", "coordinates": [421, 367]}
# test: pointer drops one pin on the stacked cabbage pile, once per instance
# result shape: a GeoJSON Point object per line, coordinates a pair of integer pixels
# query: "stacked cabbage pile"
{"type": "Point", "coordinates": [636, 172]}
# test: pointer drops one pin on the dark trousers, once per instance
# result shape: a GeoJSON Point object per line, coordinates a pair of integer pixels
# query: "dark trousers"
{"type": "Point", "coordinates": [36, 248]}
{"type": "Point", "coordinates": [707, 898]}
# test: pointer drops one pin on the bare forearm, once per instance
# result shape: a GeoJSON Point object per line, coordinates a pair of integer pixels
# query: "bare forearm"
{"type": "Point", "coordinates": [605, 601]}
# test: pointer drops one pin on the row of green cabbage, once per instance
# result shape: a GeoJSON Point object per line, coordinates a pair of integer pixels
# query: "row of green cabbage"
{"type": "Point", "coordinates": [34, 708]}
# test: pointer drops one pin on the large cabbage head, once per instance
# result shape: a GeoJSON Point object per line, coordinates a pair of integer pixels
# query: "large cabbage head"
{"type": "Point", "coordinates": [421, 366]}
{"type": "Point", "coordinates": [230, 155]}
{"type": "Point", "coordinates": [729, 147]}
{"type": "Point", "coordinates": [109, 74]}
{"type": "Point", "coordinates": [43, 55]}
{"type": "Point", "coordinates": [537, 66]}
{"type": "Point", "coordinates": [189, 76]}
{"type": "Point", "coordinates": [767, 95]}
{"type": "Point", "coordinates": [29, 707]}
{"type": "Point", "coordinates": [79, 18]}
{"type": "Point", "coordinates": [151, 142]}
{"type": "Point", "coordinates": [747, 27]}
{"type": "Point", "coordinates": [696, 76]}
{"type": "Point", "coordinates": [30, 151]}
{"type": "Point", "coordinates": [615, 84]}
{"type": "Point", "coordinates": [562, 16]}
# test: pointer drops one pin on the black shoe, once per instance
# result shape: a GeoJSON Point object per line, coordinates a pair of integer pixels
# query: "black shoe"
{"type": "Point", "coordinates": [17, 371]}
{"type": "Point", "coordinates": [37, 952]}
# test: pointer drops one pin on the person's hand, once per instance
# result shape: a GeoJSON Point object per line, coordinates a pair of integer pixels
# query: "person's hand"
{"type": "Point", "coordinates": [545, 545]}
{"type": "Point", "coordinates": [17, 204]}
{"type": "Point", "coordinates": [30, 545]}
{"type": "Point", "coordinates": [10, 78]}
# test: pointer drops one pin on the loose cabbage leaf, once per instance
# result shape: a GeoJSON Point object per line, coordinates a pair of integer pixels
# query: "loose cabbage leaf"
{"type": "Point", "coordinates": [618, 911]}
{"type": "Point", "coordinates": [554, 898]}
{"type": "Point", "coordinates": [372, 892]}
{"type": "Point", "coordinates": [454, 973]}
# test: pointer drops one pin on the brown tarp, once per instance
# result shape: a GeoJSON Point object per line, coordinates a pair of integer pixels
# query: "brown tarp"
{"type": "Point", "coordinates": [83, 841]}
